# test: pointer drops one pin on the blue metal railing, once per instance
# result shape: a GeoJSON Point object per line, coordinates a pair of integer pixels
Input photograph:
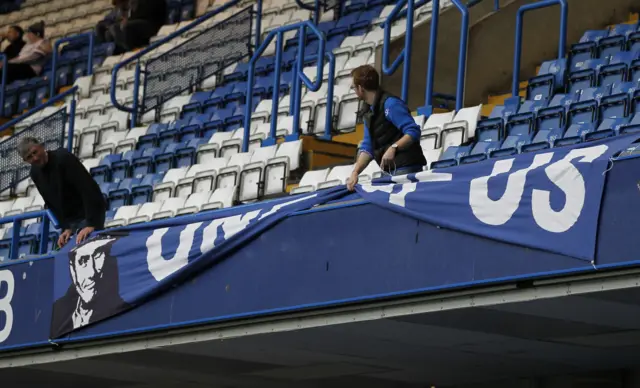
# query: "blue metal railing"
{"type": "Point", "coordinates": [405, 54]}
{"type": "Point", "coordinates": [3, 85]}
{"type": "Point", "coordinates": [298, 79]}
{"type": "Point", "coordinates": [52, 101]}
{"type": "Point", "coordinates": [136, 57]}
{"type": "Point", "coordinates": [564, 14]}
{"type": "Point", "coordinates": [16, 221]}
{"type": "Point", "coordinates": [54, 60]}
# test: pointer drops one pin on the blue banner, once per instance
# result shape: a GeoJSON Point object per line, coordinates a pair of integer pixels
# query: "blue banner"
{"type": "Point", "coordinates": [119, 269]}
{"type": "Point", "coordinates": [548, 200]}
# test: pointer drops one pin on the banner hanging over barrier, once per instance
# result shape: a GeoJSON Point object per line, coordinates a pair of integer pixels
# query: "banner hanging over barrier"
{"type": "Point", "coordinates": [548, 200]}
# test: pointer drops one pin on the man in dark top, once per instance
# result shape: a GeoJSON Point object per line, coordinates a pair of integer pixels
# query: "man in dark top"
{"type": "Point", "coordinates": [391, 136]}
{"type": "Point", "coordinates": [144, 20]}
{"type": "Point", "coordinates": [14, 36]}
{"type": "Point", "coordinates": [67, 188]}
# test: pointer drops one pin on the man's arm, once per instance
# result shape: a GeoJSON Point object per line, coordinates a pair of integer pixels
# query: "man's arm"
{"type": "Point", "coordinates": [62, 223]}
{"type": "Point", "coordinates": [397, 113]}
{"type": "Point", "coordinates": [365, 155]}
{"type": "Point", "coordinates": [92, 200]}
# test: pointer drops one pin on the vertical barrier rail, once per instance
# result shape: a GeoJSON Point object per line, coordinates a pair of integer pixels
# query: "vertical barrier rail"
{"type": "Point", "coordinates": [427, 109]}
{"type": "Point", "coordinates": [3, 86]}
{"type": "Point", "coordinates": [54, 60]}
{"type": "Point", "coordinates": [462, 53]}
{"type": "Point", "coordinates": [298, 79]}
{"type": "Point", "coordinates": [564, 14]}
{"type": "Point", "coordinates": [136, 57]}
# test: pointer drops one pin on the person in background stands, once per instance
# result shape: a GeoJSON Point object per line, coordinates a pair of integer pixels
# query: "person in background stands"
{"type": "Point", "coordinates": [33, 56]}
{"type": "Point", "coordinates": [14, 36]}
{"type": "Point", "coordinates": [143, 22]}
{"type": "Point", "coordinates": [67, 188]}
{"type": "Point", "coordinates": [391, 136]}
{"type": "Point", "coordinates": [115, 17]}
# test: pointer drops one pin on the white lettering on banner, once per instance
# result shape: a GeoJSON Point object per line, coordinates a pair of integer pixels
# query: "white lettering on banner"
{"type": "Point", "coordinates": [6, 277]}
{"type": "Point", "coordinates": [407, 185]}
{"type": "Point", "coordinates": [160, 267]}
{"type": "Point", "coordinates": [567, 177]}
{"type": "Point", "coordinates": [500, 211]}
{"type": "Point", "coordinates": [230, 226]}
{"type": "Point", "coordinates": [562, 173]}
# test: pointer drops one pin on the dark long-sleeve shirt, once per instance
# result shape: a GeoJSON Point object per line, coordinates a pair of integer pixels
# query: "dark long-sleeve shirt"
{"type": "Point", "coordinates": [69, 191]}
{"type": "Point", "coordinates": [153, 11]}
{"type": "Point", "coordinates": [13, 49]}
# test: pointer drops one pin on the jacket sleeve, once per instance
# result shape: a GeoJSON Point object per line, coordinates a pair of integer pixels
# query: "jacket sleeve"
{"type": "Point", "coordinates": [396, 111]}
{"type": "Point", "coordinates": [92, 199]}
{"type": "Point", "coordinates": [62, 223]}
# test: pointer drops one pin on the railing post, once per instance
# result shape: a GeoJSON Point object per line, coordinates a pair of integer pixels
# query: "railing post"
{"type": "Point", "coordinates": [564, 12]}
{"type": "Point", "coordinates": [44, 234]}
{"type": "Point", "coordinates": [297, 80]}
{"type": "Point", "coordinates": [329, 114]}
{"type": "Point", "coordinates": [15, 239]}
{"type": "Point", "coordinates": [72, 122]}
{"type": "Point", "coordinates": [258, 23]}
{"type": "Point", "coordinates": [275, 93]}
{"type": "Point", "coordinates": [427, 109]}
{"type": "Point", "coordinates": [3, 57]}
{"type": "Point", "coordinates": [462, 53]}
{"type": "Point", "coordinates": [136, 96]}
{"type": "Point", "coordinates": [90, 59]}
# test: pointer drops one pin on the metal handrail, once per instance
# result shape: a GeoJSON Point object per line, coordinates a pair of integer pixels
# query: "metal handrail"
{"type": "Point", "coordinates": [16, 221]}
{"type": "Point", "coordinates": [298, 79]}
{"type": "Point", "coordinates": [158, 43]}
{"type": "Point", "coordinates": [564, 14]}
{"type": "Point", "coordinates": [54, 59]}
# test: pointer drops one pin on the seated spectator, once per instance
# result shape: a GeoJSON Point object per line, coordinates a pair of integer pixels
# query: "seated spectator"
{"type": "Point", "coordinates": [115, 17]}
{"type": "Point", "coordinates": [145, 19]}
{"type": "Point", "coordinates": [14, 36]}
{"type": "Point", "coordinates": [33, 56]}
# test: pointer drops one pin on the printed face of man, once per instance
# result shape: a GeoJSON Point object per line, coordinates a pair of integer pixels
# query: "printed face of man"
{"type": "Point", "coordinates": [87, 268]}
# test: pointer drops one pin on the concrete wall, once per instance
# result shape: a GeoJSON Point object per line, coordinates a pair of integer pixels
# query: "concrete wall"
{"type": "Point", "coordinates": [491, 44]}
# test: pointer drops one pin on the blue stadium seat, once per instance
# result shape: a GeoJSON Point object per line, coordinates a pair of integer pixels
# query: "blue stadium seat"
{"type": "Point", "coordinates": [633, 41]}
{"type": "Point", "coordinates": [551, 118]}
{"type": "Point", "coordinates": [543, 139]}
{"type": "Point", "coordinates": [451, 156]}
{"type": "Point", "coordinates": [144, 164]}
{"type": "Point", "coordinates": [611, 45]}
{"type": "Point", "coordinates": [586, 75]}
{"type": "Point", "coordinates": [633, 126]}
{"type": "Point", "coordinates": [532, 106]}
{"type": "Point", "coordinates": [634, 71]}
{"type": "Point", "coordinates": [122, 168]}
{"type": "Point", "coordinates": [608, 128]}
{"type": "Point", "coordinates": [165, 160]}
{"type": "Point", "coordinates": [143, 191]}
{"type": "Point", "coordinates": [480, 151]}
{"type": "Point", "coordinates": [550, 77]}
{"type": "Point", "coordinates": [102, 172]}
{"type": "Point", "coordinates": [520, 124]}
{"type": "Point", "coordinates": [583, 112]}
{"type": "Point", "coordinates": [194, 106]}
{"type": "Point", "coordinates": [185, 156]}
{"type": "Point", "coordinates": [617, 69]}
{"type": "Point", "coordinates": [575, 134]}
{"type": "Point", "coordinates": [595, 94]}
{"type": "Point", "coordinates": [614, 106]}
{"type": "Point", "coordinates": [511, 145]}
{"type": "Point", "coordinates": [121, 196]}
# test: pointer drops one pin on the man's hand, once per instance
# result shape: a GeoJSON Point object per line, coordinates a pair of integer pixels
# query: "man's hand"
{"type": "Point", "coordinates": [387, 158]}
{"type": "Point", "coordinates": [64, 238]}
{"type": "Point", "coordinates": [84, 233]}
{"type": "Point", "coordinates": [352, 181]}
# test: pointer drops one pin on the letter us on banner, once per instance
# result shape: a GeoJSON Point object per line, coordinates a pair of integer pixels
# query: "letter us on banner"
{"type": "Point", "coordinates": [548, 200]}
{"type": "Point", "coordinates": [117, 270]}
